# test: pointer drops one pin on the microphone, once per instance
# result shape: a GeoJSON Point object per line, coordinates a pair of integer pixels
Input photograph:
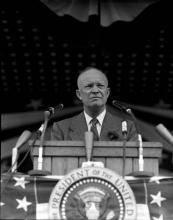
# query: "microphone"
{"type": "Point", "coordinates": [120, 106]}
{"type": "Point", "coordinates": [52, 110]}
{"type": "Point", "coordinates": [42, 130]}
{"type": "Point", "coordinates": [49, 112]}
{"type": "Point", "coordinates": [141, 172]}
{"type": "Point", "coordinates": [124, 128]}
{"type": "Point", "coordinates": [163, 131]}
{"type": "Point", "coordinates": [141, 159]}
{"type": "Point", "coordinates": [89, 145]}
{"type": "Point", "coordinates": [24, 137]}
{"type": "Point", "coordinates": [124, 132]}
{"type": "Point", "coordinates": [89, 141]}
{"type": "Point", "coordinates": [39, 131]}
{"type": "Point", "coordinates": [124, 107]}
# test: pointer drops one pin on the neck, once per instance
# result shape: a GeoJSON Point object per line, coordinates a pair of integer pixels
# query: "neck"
{"type": "Point", "coordinates": [94, 112]}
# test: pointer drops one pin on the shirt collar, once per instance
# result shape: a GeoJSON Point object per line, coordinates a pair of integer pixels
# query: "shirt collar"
{"type": "Point", "coordinates": [100, 117]}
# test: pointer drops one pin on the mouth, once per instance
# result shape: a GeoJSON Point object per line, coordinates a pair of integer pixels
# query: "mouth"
{"type": "Point", "coordinates": [95, 98]}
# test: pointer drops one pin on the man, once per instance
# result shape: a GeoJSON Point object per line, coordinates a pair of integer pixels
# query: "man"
{"type": "Point", "coordinates": [93, 91]}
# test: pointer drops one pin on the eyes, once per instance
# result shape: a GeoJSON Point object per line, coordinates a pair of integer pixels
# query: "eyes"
{"type": "Point", "coordinates": [92, 85]}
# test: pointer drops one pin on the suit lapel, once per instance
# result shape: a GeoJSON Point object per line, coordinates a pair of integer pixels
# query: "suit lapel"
{"type": "Point", "coordinates": [78, 127]}
{"type": "Point", "coordinates": [110, 124]}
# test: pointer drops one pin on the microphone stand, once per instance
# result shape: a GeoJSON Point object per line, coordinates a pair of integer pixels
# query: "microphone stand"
{"type": "Point", "coordinates": [124, 132]}
{"type": "Point", "coordinates": [40, 171]}
{"type": "Point", "coordinates": [141, 172]}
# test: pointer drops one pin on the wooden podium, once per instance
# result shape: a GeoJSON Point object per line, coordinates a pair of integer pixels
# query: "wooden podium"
{"type": "Point", "coordinates": [60, 157]}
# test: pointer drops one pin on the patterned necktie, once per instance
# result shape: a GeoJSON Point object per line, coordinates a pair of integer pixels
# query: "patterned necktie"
{"type": "Point", "coordinates": [94, 122]}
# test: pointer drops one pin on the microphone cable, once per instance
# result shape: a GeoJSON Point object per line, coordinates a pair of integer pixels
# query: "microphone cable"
{"type": "Point", "coordinates": [27, 152]}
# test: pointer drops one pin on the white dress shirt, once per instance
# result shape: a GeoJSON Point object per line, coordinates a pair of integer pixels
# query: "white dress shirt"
{"type": "Point", "coordinates": [100, 119]}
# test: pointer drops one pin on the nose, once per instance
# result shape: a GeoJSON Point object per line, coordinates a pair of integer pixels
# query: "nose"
{"type": "Point", "coordinates": [95, 88]}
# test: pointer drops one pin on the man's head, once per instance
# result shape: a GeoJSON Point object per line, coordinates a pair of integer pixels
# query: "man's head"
{"type": "Point", "coordinates": [93, 90]}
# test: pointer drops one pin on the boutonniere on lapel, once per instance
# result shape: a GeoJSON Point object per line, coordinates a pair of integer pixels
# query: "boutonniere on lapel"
{"type": "Point", "coordinates": [113, 135]}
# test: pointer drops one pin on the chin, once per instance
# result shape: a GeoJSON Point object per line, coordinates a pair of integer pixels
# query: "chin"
{"type": "Point", "coordinates": [96, 102]}
{"type": "Point", "coordinates": [96, 105]}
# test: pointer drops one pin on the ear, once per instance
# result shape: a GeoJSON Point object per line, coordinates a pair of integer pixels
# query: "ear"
{"type": "Point", "coordinates": [78, 94]}
{"type": "Point", "coordinates": [108, 92]}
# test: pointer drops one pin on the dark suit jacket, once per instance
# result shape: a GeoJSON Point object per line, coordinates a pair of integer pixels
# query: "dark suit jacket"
{"type": "Point", "coordinates": [74, 128]}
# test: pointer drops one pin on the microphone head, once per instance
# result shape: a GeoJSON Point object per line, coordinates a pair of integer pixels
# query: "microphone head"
{"type": "Point", "coordinates": [24, 137]}
{"type": "Point", "coordinates": [124, 127]}
{"type": "Point", "coordinates": [52, 110]}
{"type": "Point", "coordinates": [163, 131]}
{"type": "Point", "coordinates": [59, 106]}
{"type": "Point", "coordinates": [47, 114]}
{"type": "Point", "coordinates": [120, 106]}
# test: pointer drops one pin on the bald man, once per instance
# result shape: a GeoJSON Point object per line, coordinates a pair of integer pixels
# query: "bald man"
{"type": "Point", "coordinates": [93, 91]}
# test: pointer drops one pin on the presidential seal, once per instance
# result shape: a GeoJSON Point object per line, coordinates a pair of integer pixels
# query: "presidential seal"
{"type": "Point", "coordinates": [92, 193]}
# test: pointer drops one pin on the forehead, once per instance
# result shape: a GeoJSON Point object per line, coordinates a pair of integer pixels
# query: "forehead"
{"type": "Point", "coordinates": [91, 76]}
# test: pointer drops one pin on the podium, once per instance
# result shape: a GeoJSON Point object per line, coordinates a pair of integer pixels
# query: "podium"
{"type": "Point", "coordinates": [61, 157]}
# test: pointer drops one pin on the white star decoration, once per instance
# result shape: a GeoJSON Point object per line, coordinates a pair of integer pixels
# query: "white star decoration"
{"type": "Point", "coordinates": [20, 182]}
{"type": "Point", "coordinates": [157, 199]}
{"type": "Point", "coordinates": [23, 204]}
{"type": "Point", "coordinates": [155, 179]}
{"type": "Point", "coordinates": [159, 218]}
